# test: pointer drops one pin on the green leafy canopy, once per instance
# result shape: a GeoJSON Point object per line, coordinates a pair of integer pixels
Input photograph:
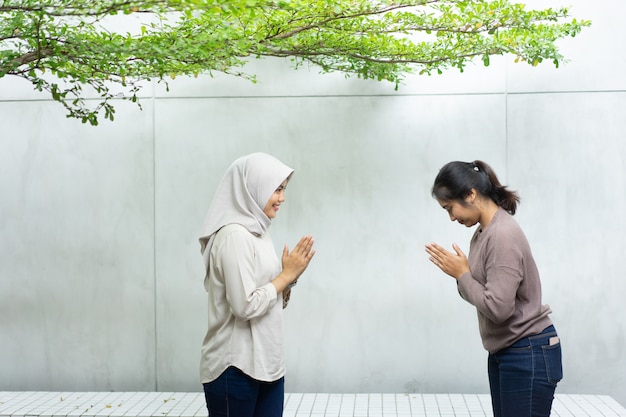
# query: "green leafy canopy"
{"type": "Point", "coordinates": [110, 47]}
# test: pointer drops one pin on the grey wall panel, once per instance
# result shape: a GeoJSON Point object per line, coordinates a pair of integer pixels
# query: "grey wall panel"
{"type": "Point", "coordinates": [364, 166]}
{"type": "Point", "coordinates": [570, 167]}
{"type": "Point", "coordinates": [76, 227]}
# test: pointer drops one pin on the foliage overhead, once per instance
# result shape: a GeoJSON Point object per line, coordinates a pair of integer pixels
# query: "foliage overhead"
{"type": "Point", "coordinates": [66, 46]}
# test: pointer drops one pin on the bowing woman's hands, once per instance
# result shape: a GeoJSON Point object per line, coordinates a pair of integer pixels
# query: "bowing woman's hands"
{"type": "Point", "coordinates": [453, 264]}
{"type": "Point", "coordinates": [294, 262]}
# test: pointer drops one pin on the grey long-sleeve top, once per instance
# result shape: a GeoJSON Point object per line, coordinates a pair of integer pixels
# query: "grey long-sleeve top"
{"type": "Point", "coordinates": [503, 284]}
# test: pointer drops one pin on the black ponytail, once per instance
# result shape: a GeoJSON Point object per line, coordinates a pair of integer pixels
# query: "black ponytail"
{"type": "Point", "coordinates": [456, 179]}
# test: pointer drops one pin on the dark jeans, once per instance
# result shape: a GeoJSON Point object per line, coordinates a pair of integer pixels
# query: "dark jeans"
{"type": "Point", "coordinates": [523, 377]}
{"type": "Point", "coordinates": [235, 394]}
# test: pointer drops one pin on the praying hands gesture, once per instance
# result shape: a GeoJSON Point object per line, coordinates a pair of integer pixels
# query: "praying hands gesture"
{"type": "Point", "coordinates": [453, 264]}
{"type": "Point", "coordinates": [294, 263]}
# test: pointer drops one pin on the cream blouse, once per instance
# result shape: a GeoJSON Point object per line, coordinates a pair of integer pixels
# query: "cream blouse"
{"type": "Point", "coordinates": [245, 320]}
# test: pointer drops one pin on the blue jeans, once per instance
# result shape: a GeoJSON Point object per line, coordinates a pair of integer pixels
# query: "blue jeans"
{"type": "Point", "coordinates": [523, 377]}
{"type": "Point", "coordinates": [235, 394]}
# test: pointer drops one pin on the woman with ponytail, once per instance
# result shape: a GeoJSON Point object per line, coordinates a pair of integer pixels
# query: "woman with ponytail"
{"type": "Point", "coordinates": [500, 278]}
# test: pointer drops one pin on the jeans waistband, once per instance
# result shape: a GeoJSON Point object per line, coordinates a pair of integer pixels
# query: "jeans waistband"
{"type": "Point", "coordinates": [537, 339]}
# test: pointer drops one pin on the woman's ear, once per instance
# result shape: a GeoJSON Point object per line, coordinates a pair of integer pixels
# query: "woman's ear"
{"type": "Point", "coordinates": [471, 196]}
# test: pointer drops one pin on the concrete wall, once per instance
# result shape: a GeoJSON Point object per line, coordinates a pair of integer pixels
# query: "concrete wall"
{"type": "Point", "coordinates": [100, 271]}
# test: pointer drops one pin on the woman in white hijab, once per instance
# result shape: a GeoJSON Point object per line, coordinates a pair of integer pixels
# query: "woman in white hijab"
{"type": "Point", "coordinates": [242, 364]}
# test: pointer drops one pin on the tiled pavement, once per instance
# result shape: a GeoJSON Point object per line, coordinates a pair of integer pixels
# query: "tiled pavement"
{"type": "Point", "coordinates": [191, 404]}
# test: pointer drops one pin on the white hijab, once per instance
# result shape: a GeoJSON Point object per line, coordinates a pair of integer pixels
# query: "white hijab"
{"type": "Point", "coordinates": [241, 197]}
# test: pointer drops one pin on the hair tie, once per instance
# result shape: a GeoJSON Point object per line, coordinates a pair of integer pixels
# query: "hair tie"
{"type": "Point", "coordinates": [475, 166]}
